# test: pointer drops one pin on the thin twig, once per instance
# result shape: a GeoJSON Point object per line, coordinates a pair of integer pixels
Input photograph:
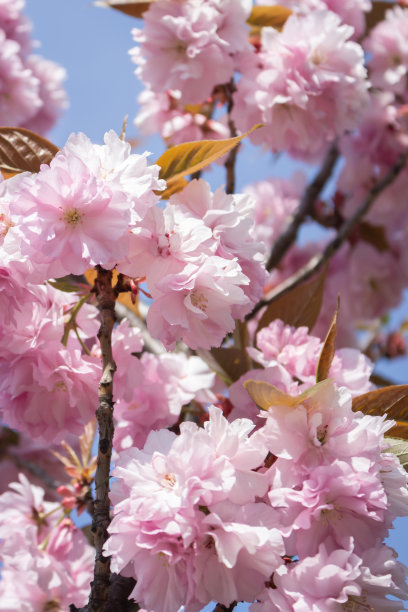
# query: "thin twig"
{"type": "Point", "coordinates": [288, 237]}
{"type": "Point", "coordinates": [104, 414]}
{"type": "Point", "coordinates": [318, 261]}
{"type": "Point", "coordinates": [123, 312]}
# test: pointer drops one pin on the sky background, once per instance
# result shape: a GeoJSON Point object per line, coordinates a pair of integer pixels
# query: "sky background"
{"type": "Point", "coordinates": [92, 43]}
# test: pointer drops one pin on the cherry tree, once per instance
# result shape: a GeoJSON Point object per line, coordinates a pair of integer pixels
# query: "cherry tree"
{"type": "Point", "coordinates": [175, 363]}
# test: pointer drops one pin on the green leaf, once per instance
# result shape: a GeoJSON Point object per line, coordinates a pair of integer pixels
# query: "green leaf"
{"type": "Point", "coordinates": [190, 157]}
{"type": "Point", "coordinates": [400, 449]}
{"type": "Point", "coordinates": [22, 150]}
{"type": "Point", "coordinates": [63, 285]}
{"type": "Point", "coordinates": [269, 16]}
{"type": "Point", "coordinates": [328, 349]}
{"type": "Point", "coordinates": [300, 306]}
{"type": "Point", "coordinates": [133, 8]}
{"type": "Point", "coordinates": [392, 401]}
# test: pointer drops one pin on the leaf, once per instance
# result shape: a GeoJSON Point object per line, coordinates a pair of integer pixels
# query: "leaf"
{"type": "Point", "coordinates": [375, 235]}
{"type": "Point", "coordinates": [133, 8]}
{"type": "Point", "coordinates": [400, 449]}
{"type": "Point", "coordinates": [272, 16]}
{"type": "Point", "coordinates": [233, 361]}
{"type": "Point", "coordinates": [266, 395]}
{"type": "Point", "coordinates": [329, 347]}
{"type": "Point", "coordinates": [399, 430]}
{"type": "Point", "coordinates": [22, 150]}
{"type": "Point", "coordinates": [298, 307]}
{"type": "Point", "coordinates": [377, 13]}
{"type": "Point", "coordinates": [189, 157]}
{"type": "Point", "coordinates": [64, 285]}
{"type": "Point", "coordinates": [175, 187]}
{"type": "Point", "coordinates": [392, 401]}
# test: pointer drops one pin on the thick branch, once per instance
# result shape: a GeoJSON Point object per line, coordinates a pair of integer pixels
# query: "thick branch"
{"type": "Point", "coordinates": [288, 237]}
{"type": "Point", "coordinates": [318, 261]}
{"type": "Point", "coordinates": [104, 414]}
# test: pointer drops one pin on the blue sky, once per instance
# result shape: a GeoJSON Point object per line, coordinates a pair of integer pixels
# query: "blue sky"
{"type": "Point", "coordinates": [92, 44]}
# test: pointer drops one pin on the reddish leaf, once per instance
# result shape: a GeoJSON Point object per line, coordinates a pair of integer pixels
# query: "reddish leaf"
{"type": "Point", "coordinates": [400, 430]}
{"type": "Point", "coordinates": [392, 401]}
{"type": "Point", "coordinates": [377, 13]}
{"type": "Point", "coordinates": [375, 235]}
{"type": "Point", "coordinates": [188, 157]}
{"type": "Point", "coordinates": [22, 150]}
{"type": "Point", "coordinates": [299, 307]}
{"type": "Point", "coordinates": [329, 347]}
{"type": "Point", "coordinates": [133, 8]}
{"type": "Point", "coordinates": [233, 361]}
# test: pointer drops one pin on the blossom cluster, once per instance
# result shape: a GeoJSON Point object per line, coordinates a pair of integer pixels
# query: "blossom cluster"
{"type": "Point", "coordinates": [47, 549]}
{"type": "Point", "coordinates": [213, 499]}
{"type": "Point", "coordinates": [96, 205]}
{"type": "Point", "coordinates": [203, 516]}
{"type": "Point", "coordinates": [32, 93]}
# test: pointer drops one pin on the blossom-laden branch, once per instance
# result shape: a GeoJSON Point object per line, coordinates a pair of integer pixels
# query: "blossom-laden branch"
{"type": "Point", "coordinates": [101, 519]}
{"type": "Point", "coordinates": [314, 189]}
{"type": "Point", "coordinates": [318, 261]}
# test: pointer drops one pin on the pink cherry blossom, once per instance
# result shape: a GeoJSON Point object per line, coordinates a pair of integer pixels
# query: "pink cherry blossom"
{"type": "Point", "coordinates": [276, 199]}
{"type": "Point", "coordinates": [388, 48]}
{"type": "Point", "coordinates": [20, 92]}
{"type": "Point", "coordinates": [196, 303]}
{"type": "Point", "coordinates": [64, 379]}
{"type": "Point", "coordinates": [157, 389]}
{"type": "Point", "coordinates": [350, 11]}
{"type": "Point", "coordinates": [230, 219]}
{"type": "Point", "coordinates": [311, 85]}
{"type": "Point", "coordinates": [163, 112]}
{"type": "Point", "coordinates": [181, 40]}
{"type": "Point", "coordinates": [176, 502]}
{"type": "Point", "coordinates": [53, 96]}
{"type": "Point", "coordinates": [79, 209]}
{"type": "Point", "coordinates": [298, 352]}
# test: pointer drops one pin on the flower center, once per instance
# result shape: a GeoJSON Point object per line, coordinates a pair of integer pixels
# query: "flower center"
{"type": "Point", "coordinates": [60, 386]}
{"type": "Point", "coordinates": [169, 480]}
{"type": "Point", "coordinates": [5, 224]}
{"type": "Point", "coordinates": [199, 300]}
{"type": "Point", "coordinates": [72, 216]}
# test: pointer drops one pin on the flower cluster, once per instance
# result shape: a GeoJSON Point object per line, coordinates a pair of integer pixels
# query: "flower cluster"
{"type": "Point", "coordinates": [307, 84]}
{"type": "Point", "coordinates": [32, 95]}
{"type": "Point", "coordinates": [47, 549]}
{"type": "Point", "coordinates": [186, 524]}
{"type": "Point", "coordinates": [181, 40]}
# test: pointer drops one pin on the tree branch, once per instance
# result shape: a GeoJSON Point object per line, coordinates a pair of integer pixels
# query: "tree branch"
{"type": "Point", "coordinates": [288, 237]}
{"type": "Point", "coordinates": [232, 155]}
{"type": "Point", "coordinates": [101, 519]}
{"type": "Point", "coordinates": [221, 608]}
{"type": "Point", "coordinates": [318, 261]}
